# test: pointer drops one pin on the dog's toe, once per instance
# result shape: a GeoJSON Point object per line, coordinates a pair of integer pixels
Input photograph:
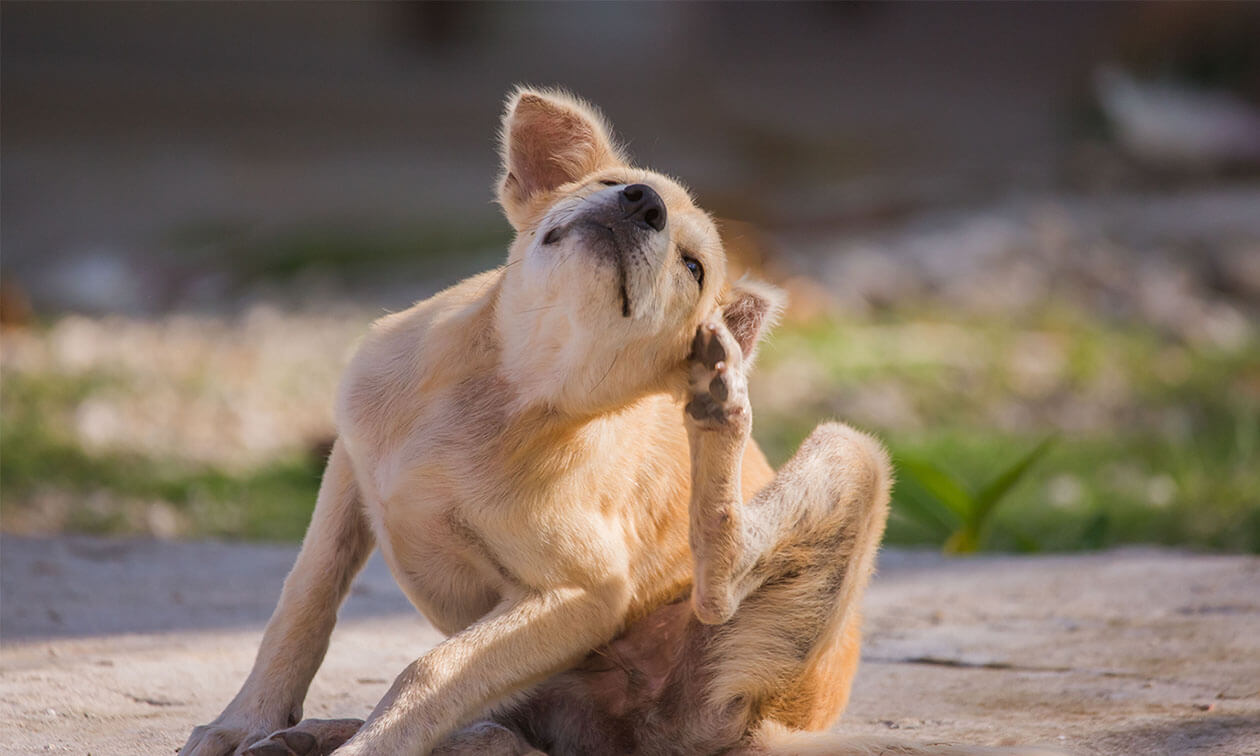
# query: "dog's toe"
{"type": "Point", "coordinates": [269, 747]}
{"type": "Point", "coordinates": [310, 737]}
{"type": "Point", "coordinates": [301, 743]}
{"type": "Point", "coordinates": [717, 386]}
{"type": "Point", "coordinates": [715, 351]}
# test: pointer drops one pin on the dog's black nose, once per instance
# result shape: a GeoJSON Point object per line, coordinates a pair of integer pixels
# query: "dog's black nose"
{"type": "Point", "coordinates": [641, 203]}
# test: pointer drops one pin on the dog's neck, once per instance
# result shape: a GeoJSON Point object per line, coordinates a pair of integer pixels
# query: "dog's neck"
{"type": "Point", "coordinates": [560, 380]}
{"type": "Point", "coordinates": [556, 362]}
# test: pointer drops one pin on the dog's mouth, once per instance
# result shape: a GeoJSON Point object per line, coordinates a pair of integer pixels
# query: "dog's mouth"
{"type": "Point", "coordinates": [625, 298]}
{"type": "Point", "coordinates": [606, 244]}
{"type": "Point", "coordinates": [619, 259]}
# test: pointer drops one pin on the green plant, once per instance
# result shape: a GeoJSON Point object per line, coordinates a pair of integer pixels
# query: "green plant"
{"type": "Point", "coordinates": [942, 503]}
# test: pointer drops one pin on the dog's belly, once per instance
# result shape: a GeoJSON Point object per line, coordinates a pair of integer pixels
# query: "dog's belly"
{"type": "Point", "coordinates": [644, 692]}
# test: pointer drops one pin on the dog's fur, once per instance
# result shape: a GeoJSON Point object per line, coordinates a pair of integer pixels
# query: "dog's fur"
{"type": "Point", "coordinates": [552, 457]}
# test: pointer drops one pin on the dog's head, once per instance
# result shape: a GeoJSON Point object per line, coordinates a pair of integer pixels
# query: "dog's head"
{"type": "Point", "coordinates": [613, 267]}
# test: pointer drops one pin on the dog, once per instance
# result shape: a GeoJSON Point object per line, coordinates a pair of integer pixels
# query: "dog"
{"type": "Point", "coordinates": [555, 461]}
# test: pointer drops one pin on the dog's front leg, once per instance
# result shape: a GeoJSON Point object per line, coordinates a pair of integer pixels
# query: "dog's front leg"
{"type": "Point", "coordinates": [521, 642]}
{"type": "Point", "coordinates": [336, 545]}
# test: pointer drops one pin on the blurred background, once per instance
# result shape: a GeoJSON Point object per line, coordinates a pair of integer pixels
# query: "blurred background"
{"type": "Point", "coordinates": [1022, 241]}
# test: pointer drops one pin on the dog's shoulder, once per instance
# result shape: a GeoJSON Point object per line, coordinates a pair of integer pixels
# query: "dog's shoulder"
{"type": "Point", "coordinates": [438, 341]}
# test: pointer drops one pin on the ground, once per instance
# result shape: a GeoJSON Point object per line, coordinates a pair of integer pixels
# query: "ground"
{"type": "Point", "coordinates": [121, 646]}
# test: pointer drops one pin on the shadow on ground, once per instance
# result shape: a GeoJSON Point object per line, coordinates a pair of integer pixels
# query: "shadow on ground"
{"type": "Point", "coordinates": [79, 586]}
{"type": "Point", "coordinates": [121, 646]}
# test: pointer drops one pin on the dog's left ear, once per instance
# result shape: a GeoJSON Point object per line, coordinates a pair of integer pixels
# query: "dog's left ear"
{"type": "Point", "coordinates": [750, 309]}
{"type": "Point", "coordinates": [549, 138]}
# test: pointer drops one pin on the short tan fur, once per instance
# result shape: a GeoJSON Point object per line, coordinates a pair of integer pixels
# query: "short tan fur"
{"type": "Point", "coordinates": [554, 459]}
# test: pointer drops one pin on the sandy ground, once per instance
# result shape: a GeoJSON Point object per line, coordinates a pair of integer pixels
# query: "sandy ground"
{"type": "Point", "coordinates": [119, 647]}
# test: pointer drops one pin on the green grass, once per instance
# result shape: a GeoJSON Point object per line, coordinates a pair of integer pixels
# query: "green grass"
{"type": "Point", "coordinates": [959, 513]}
{"type": "Point", "coordinates": [1157, 440]}
{"type": "Point", "coordinates": [1174, 463]}
{"type": "Point", "coordinates": [1128, 489]}
{"type": "Point", "coordinates": [37, 456]}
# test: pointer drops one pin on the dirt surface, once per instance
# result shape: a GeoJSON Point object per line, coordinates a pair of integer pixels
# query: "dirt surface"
{"type": "Point", "coordinates": [121, 646]}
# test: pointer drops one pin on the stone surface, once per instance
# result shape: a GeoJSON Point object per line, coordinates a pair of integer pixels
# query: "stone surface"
{"type": "Point", "coordinates": [121, 646]}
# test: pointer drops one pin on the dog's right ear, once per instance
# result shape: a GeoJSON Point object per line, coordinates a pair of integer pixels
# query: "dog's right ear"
{"type": "Point", "coordinates": [750, 309]}
{"type": "Point", "coordinates": [549, 138]}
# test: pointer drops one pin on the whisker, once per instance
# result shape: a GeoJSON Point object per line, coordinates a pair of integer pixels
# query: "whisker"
{"type": "Point", "coordinates": [606, 372]}
{"type": "Point", "coordinates": [535, 309]}
{"type": "Point", "coordinates": [504, 266]}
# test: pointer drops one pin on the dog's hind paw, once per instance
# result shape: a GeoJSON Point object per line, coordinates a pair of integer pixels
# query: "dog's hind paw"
{"type": "Point", "coordinates": [310, 737]}
{"type": "Point", "coordinates": [718, 386]}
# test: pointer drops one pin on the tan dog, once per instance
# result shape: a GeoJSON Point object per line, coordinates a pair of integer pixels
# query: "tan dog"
{"type": "Point", "coordinates": [518, 448]}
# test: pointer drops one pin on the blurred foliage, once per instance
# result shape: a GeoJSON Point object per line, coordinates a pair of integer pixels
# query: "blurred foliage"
{"type": "Point", "coordinates": [44, 466]}
{"type": "Point", "coordinates": [938, 500]}
{"type": "Point", "coordinates": [1158, 438]}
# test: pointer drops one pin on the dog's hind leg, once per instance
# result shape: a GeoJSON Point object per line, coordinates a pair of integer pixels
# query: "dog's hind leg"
{"type": "Point", "coordinates": [837, 473]}
{"type": "Point", "coordinates": [782, 573]}
{"type": "Point", "coordinates": [779, 578]}
{"type": "Point", "coordinates": [807, 549]}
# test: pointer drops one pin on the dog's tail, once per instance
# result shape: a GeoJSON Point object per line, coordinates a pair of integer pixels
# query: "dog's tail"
{"type": "Point", "coordinates": [773, 739]}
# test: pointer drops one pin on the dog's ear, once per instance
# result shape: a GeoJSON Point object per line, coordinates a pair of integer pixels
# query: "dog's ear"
{"type": "Point", "coordinates": [548, 139]}
{"type": "Point", "coordinates": [750, 309]}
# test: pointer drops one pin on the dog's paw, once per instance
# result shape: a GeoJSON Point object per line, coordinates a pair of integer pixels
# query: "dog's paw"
{"type": "Point", "coordinates": [223, 737]}
{"type": "Point", "coordinates": [310, 737]}
{"type": "Point", "coordinates": [718, 387]}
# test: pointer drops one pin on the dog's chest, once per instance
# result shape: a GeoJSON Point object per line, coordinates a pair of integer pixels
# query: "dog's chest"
{"type": "Point", "coordinates": [468, 519]}
{"type": "Point", "coordinates": [439, 562]}
{"type": "Point", "coordinates": [457, 550]}
{"type": "Point", "coordinates": [471, 507]}
{"type": "Point", "coordinates": [421, 492]}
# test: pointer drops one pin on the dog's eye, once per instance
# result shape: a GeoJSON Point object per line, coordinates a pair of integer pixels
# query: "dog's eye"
{"type": "Point", "coordinates": [552, 236]}
{"type": "Point", "coordinates": [608, 182]}
{"type": "Point", "coordinates": [697, 270]}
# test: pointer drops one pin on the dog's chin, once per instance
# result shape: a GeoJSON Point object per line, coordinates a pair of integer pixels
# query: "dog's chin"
{"type": "Point", "coordinates": [618, 247]}
{"type": "Point", "coordinates": [600, 255]}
